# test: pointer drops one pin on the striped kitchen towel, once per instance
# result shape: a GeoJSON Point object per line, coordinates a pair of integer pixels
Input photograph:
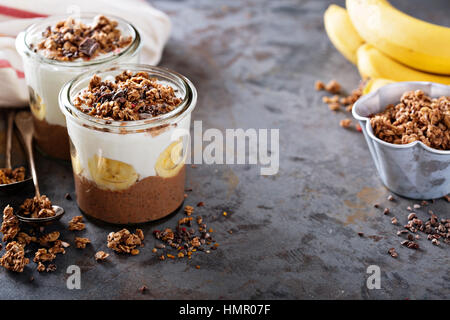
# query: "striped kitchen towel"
{"type": "Point", "coordinates": [16, 15]}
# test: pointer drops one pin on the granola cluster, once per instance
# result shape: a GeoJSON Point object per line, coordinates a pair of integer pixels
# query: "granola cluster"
{"type": "Point", "coordinates": [130, 97]}
{"type": "Point", "coordinates": [71, 39]}
{"type": "Point", "coordinates": [76, 224]}
{"type": "Point", "coordinates": [10, 225]}
{"type": "Point", "coordinates": [124, 241]}
{"type": "Point", "coordinates": [37, 207]}
{"type": "Point", "coordinates": [14, 258]}
{"type": "Point", "coordinates": [81, 243]}
{"type": "Point", "coordinates": [8, 176]}
{"type": "Point", "coordinates": [417, 117]}
{"type": "Point", "coordinates": [101, 256]}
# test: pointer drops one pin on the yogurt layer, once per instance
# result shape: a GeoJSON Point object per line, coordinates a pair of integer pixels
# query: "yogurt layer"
{"type": "Point", "coordinates": [139, 150]}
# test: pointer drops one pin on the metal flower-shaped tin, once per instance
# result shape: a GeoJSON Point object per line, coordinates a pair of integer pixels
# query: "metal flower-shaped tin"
{"type": "Point", "coordinates": [411, 170]}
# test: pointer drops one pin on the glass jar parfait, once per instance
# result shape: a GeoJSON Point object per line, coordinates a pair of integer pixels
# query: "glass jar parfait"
{"type": "Point", "coordinates": [46, 75]}
{"type": "Point", "coordinates": [129, 171]}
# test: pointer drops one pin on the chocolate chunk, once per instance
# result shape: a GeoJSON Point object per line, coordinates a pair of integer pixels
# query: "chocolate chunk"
{"type": "Point", "coordinates": [88, 46]}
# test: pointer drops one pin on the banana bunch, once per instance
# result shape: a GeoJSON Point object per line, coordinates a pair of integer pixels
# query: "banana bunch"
{"type": "Point", "coordinates": [387, 45]}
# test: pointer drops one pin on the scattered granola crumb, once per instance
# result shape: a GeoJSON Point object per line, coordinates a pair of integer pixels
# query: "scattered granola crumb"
{"type": "Point", "coordinates": [42, 255]}
{"type": "Point", "coordinates": [81, 243]}
{"type": "Point", "coordinates": [197, 267]}
{"type": "Point", "coordinates": [410, 244]}
{"type": "Point", "coordinates": [200, 204]}
{"type": "Point", "coordinates": [345, 123]}
{"type": "Point", "coordinates": [394, 220]}
{"type": "Point", "coordinates": [361, 234]}
{"type": "Point", "coordinates": [40, 267]}
{"type": "Point", "coordinates": [447, 197]}
{"type": "Point", "coordinates": [435, 242]}
{"type": "Point", "coordinates": [188, 210]}
{"type": "Point", "coordinates": [68, 196]}
{"type": "Point", "coordinates": [14, 257]}
{"type": "Point", "coordinates": [51, 267]}
{"type": "Point", "coordinates": [390, 197]}
{"type": "Point", "coordinates": [76, 224]}
{"type": "Point", "coordinates": [393, 253]}
{"type": "Point", "coordinates": [386, 211]}
{"type": "Point", "coordinates": [319, 85]}
{"type": "Point", "coordinates": [101, 255]}
{"type": "Point", "coordinates": [333, 87]}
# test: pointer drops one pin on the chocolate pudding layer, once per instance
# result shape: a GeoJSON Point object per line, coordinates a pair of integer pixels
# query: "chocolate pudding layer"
{"type": "Point", "coordinates": [149, 199]}
{"type": "Point", "coordinates": [52, 139]}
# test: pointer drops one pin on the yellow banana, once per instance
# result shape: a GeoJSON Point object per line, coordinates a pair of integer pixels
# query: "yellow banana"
{"type": "Point", "coordinates": [170, 161]}
{"type": "Point", "coordinates": [372, 63]}
{"type": "Point", "coordinates": [413, 42]}
{"type": "Point", "coordinates": [36, 105]}
{"type": "Point", "coordinates": [375, 84]}
{"type": "Point", "coordinates": [112, 174]}
{"type": "Point", "coordinates": [341, 32]}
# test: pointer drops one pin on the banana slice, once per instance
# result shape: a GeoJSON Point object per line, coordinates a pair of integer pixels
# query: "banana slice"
{"type": "Point", "coordinates": [76, 165]}
{"type": "Point", "coordinates": [112, 174]}
{"type": "Point", "coordinates": [36, 105]}
{"type": "Point", "coordinates": [170, 161]}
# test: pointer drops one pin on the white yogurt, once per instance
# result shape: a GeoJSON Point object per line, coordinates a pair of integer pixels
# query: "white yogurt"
{"type": "Point", "coordinates": [140, 150]}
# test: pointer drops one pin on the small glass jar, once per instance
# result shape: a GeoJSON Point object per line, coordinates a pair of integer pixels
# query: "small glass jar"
{"type": "Point", "coordinates": [45, 77]}
{"type": "Point", "coordinates": [129, 172]}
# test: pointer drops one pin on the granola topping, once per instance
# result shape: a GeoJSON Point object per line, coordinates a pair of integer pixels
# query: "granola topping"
{"type": "Point", "coordinates": [14, 257]}
{"type": "Point", "coordinates": [417, 117]}
{"type": "Point", "coordinates": [8, 176]}
{"type": "Point", "coordinates": [124, 241]}
{"type": "Point", "coordinates": [130, 97]}
{"type": "Point", "coordinates": [71, 39]}
{"type": "Point", "coordinates": [37, 207]}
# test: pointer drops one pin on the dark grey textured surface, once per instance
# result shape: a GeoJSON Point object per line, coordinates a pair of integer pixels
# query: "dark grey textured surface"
{"type": "Point", "coordinates": [295, 234]}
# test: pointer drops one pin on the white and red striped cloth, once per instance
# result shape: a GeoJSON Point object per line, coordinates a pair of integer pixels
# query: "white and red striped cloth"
{"type": "Point", "coordinates": [16, 15]}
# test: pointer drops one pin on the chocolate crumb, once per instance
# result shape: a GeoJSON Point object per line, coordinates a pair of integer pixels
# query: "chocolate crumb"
{"type": "Point", "coordinates": [393, 253]}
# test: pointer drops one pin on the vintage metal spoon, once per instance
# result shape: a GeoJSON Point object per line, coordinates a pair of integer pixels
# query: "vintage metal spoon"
{"type": "Point", "coordinates": [12, 187]}
{"type": "Point", "coordinates": [24, 122]}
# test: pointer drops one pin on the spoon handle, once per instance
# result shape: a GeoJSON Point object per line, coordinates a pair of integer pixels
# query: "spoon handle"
{"type": "Point", "coordinates": [9, 138]}
{"type": "Point", "coordinates": [24, 122]}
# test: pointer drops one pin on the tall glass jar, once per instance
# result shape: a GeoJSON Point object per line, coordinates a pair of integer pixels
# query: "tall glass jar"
{"type": "Point", "coordinates": [45, 77]}
{"type": "Point", "coordinates": [129, 171]}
